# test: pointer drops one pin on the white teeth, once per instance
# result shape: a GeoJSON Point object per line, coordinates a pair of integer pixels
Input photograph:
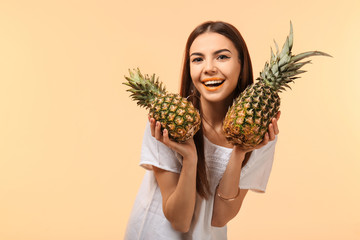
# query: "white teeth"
{"type": "Point", "coordinates": [213, 82]}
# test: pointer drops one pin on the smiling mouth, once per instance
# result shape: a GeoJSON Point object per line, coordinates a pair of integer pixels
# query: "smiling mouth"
{"type": "Point", "coordinates": [213, 84]}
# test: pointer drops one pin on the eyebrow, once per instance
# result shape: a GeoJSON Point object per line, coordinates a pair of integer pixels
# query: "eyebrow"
{"type": "Point", "coordinates": [216, 52]}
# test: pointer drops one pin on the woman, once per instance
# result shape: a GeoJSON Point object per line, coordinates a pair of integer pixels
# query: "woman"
{"type": "Point", "coordinates": [194, 188]}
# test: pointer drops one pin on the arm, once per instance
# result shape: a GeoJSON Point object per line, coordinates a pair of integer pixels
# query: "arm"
{"type": "Point", "coordinates": [178, 190]}
{"type": "Point", "coordinates": [228, 187]}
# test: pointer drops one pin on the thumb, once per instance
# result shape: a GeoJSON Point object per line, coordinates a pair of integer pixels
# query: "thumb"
{"type": "Point", "coordinates": [166, 139]}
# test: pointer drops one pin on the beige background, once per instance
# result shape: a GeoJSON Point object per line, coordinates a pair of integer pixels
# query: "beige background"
{"type": "Point", "coordinates": [70, 136]}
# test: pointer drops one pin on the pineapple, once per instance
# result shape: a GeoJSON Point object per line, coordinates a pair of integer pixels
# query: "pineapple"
{"type": "Point", "coordinates": [175, 113]}
{"type": "Point", "coordinates": [247, 120]}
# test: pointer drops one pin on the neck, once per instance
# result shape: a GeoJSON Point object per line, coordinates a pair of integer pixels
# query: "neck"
{"type": "Point", "coordinates": [213, 115]}
{"type": "Point", "coordinates": [214, 112]}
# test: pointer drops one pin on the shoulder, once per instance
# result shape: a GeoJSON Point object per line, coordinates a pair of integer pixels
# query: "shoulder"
{"type": "Point", "coordinates": [268, 148]}
{"type": "Point", "coordinates": [155, 153]}
{"type": "Point", "coordinates": [261, 159]}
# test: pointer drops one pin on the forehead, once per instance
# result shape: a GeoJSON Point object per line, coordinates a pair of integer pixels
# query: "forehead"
{"type": "Point", "coordinates": [211, 42]}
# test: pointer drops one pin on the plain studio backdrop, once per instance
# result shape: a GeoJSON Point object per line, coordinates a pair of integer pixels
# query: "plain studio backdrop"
{"type": "Point", "coordinates": [70, 136]}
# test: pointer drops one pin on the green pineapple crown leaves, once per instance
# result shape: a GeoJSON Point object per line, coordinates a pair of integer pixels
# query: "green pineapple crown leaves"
{"type": "Point", "coordinates": [284, 66]}
{"type": "Point", "coordinates": [144, 89]}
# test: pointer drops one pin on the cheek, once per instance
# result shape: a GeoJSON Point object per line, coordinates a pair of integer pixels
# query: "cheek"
{"type": "Point", "coordinates": [194, 72]}
{"type": "Point", "coordinates": [193, 76]}
{"type": "Point", "coordinates": [235, 71]}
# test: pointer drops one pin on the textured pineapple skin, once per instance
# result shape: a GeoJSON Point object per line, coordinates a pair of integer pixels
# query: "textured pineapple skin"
{"type": "Point", "coordinates": [247, 120]}
{"type": "Point", "coordinates": [177, 115]}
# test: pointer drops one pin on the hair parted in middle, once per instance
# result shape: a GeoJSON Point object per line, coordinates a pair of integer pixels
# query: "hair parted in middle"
{"type": "Point", "coordinates": [187, 87]}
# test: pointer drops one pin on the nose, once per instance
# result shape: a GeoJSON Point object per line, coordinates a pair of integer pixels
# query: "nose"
{"type": "Point", "coordinates": [210, 68]}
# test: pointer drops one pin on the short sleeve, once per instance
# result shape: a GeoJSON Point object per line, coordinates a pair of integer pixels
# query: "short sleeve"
{"type": "Point", "coordinates": [255, 174]}
{"type": "Point", "coordinates": [155, 153]}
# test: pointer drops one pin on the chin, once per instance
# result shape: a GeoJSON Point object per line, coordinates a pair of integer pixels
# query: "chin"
{"type": "Point", "coordinates": [216, 98]}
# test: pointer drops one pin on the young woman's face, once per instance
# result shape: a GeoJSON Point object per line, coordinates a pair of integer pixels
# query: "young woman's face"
{"type": "Point", "coordinates": [214, 66]}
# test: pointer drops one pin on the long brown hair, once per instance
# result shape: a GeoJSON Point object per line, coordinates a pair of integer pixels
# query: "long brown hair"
{"type": "Point", "coordinates": [187, 87]}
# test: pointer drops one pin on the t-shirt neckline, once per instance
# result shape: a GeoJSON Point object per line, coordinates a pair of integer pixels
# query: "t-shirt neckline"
{"type": "Point", "coordinates": [218, 146]}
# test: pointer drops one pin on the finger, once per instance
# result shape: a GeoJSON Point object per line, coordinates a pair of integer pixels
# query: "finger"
{"type": "Point", "coordinates": [166, 139]}
{"type": "Point", "coordinates": [278, 115]}
{"type": "Point", "coordinates": [266, 138]}
{"type": "Point", "coordinates": [158, 134]}
{"type": "Point", "coordinates": [264, 141]}
{"type": "Point", "coordinates": [152, 126]}
{"type": "Point", "coordinates": [276, 128]}
{"type": "Point", "coordinates": [271, 132]}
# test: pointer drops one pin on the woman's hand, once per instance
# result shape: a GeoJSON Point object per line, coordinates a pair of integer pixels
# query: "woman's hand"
{"type": "Point", "coordinates": [269, 136]}
{"type": "Point", "coordinates": [178, 191]}
{"type": "Point", "coordinates": [187, 149]}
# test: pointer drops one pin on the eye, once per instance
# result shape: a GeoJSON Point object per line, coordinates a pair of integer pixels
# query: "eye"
{"type": "Point", "coordinates": [198, 59]}
{"type": "Point", "coordinates": [222, 57]}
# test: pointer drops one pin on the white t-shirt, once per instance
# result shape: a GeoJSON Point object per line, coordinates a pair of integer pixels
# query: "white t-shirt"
{"type": "Point", "coordinates": [147, 220]}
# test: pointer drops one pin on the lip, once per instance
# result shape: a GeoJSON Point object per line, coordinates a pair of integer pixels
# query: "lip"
{"type": "Point", "coordinates": [211, 79]}
{"type": "Point", "coordinates": [212, 89]}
